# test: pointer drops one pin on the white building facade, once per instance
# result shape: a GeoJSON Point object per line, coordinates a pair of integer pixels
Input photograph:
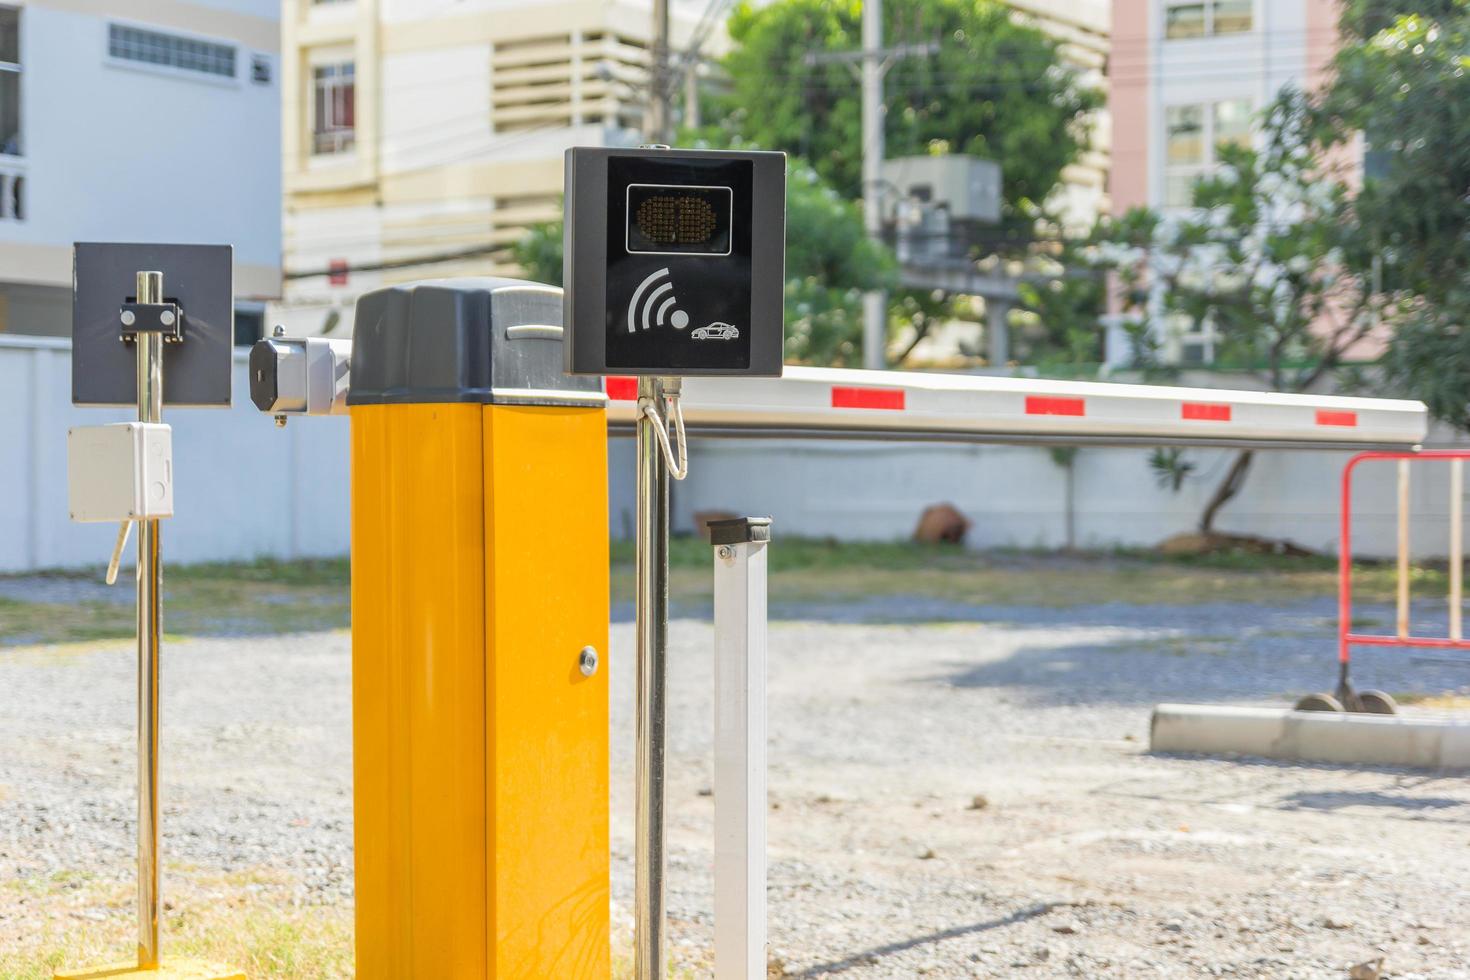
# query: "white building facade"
{"type": "Point", "coordinates": [129, 120]}
{"type": "Point", "coordinates": [422, 139]}
{"type": "Point", "coordinates": [1189, 75]}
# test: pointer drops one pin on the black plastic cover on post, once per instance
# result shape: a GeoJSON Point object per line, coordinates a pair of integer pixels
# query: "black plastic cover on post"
{"type": "Point", "coordinates": [487, 340]}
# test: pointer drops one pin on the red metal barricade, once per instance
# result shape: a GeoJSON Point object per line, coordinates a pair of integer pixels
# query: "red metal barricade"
{"type": "Point", "coordinates": [1346, 698]}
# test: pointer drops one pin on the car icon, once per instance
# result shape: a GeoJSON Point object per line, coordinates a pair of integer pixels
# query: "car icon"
{"type": "Point", "coordinates": [716, 331]}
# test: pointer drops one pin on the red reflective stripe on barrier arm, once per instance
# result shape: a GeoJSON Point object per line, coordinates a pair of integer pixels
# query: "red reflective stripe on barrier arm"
{"type": "Point", "coordinates": [847, 397]}
{"type": "Point", "coordinates": [1205, 411]}
{"type": "Point", "coordinates": [622, 389]}
{"type": "Point", "coordinates": [1349, 419]}
{"type": "Point", "coordinates": [1037, 405]}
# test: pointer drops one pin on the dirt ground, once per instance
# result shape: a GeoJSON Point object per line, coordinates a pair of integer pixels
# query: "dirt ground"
{"type": "Point", "coordinates": [956, 790]}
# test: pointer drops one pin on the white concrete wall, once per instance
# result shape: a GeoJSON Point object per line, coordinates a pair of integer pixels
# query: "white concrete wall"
{"type": "Point", "coordinates": [244, 489]}
{"type": "Point", "coordinates": [1016, 495]}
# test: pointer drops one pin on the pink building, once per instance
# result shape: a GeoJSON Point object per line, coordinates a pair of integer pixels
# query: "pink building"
{"type": "Point", "coordinates": [1186, 75]}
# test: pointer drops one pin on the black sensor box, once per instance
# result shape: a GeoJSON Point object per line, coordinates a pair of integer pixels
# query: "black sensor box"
{"type": "Point", "coordinates": [675, 262]}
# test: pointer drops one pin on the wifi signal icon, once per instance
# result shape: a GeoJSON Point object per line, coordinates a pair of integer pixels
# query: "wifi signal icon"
{"type": "Point", "coordinates": [651, 303]}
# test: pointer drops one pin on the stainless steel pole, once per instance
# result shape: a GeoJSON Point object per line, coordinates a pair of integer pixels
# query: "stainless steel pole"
{"type": "Point", "coordinates": [150, 629]}
{"type": "Point", "coordinates": [652, 617]}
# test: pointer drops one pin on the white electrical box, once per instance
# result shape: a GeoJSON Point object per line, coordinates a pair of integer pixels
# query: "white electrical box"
{"type": "Point", "coordinates": [120, 472]}
{"type": "Point", "coordinates": [968, 187]}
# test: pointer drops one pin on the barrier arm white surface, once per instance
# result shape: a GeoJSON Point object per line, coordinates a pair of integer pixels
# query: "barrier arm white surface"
{"type": "Point", "coordinates": [835, 403]}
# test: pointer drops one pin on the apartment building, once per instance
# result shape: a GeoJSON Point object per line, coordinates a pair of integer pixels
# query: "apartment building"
{"type": "Point", "coordinates": [422, 137]}
{"type": "Point", "coordinates": [1081, 29]}
{"type": "Point", "coordinates": [130, 120]}
{"type": "Point", "coordinates": [1189, 75]}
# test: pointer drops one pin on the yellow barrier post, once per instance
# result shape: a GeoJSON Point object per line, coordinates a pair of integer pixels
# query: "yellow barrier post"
{"type": "Point", "coordinates": [480, 612]}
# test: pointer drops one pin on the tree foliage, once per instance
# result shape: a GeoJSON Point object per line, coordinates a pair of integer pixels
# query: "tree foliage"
{"type": "Point", "coordinates": [995, 89]}
{"type": "Point", "coordinates": [1401, 80]}
{"type": "Point", "coordinates": [1262, 262]}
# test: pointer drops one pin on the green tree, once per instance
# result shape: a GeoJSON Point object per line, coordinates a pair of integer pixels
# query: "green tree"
{"type": "Point", "coordinates": [995, 89]}
{"type": "Point", "coordinates": [829, 261]}
{"type": "Point", "coordinates": [539, 252]}
{"type": "Point", "coordinates": [1401, 80]}
{"type": "Point", "coordinates": [1261, 262]}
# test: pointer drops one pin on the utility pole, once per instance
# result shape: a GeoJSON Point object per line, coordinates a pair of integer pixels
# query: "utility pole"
{"type": "Point", "coordinates": [660, 109]}
{"type": "Point", "coordinates": [691, 91]}
{"type": "Point", "coordinates": [875, 60]}
{"type": "Point", "coordinates": [875, 301]}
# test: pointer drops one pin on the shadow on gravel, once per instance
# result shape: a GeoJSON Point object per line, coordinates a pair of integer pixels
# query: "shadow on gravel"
{"type": "Point", "coordinates": [1138, 662]}
{"type": "Point", "coordinates": [1340, 800]}
{"type": "Point", "coordinates": [868, 957]}
{"type": "Point", "coordinates": [1399, 793]}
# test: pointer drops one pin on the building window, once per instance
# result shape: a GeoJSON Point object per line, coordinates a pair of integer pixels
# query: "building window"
{"type": "Point", "coordinates": [170, 51]}
{"type": "Point", "coordinates": [1192, 136]}
{"type": "Point", "coordinates": [12, 196]}
{"type": "Point", "coordinates": [334, 112]}
{"type": "Point", "coordinates": [249, 325]}
{"type": "Point", "coordinates": [1200, 18]}
{"type": "Point", "coordinates": [10, 81]}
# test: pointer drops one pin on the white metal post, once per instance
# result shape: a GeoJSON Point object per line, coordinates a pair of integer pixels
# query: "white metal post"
{"type": "Point", "coordinates": [740, 747]}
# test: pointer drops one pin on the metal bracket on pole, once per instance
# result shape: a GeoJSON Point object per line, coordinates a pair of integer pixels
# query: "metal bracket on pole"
{"type": "Point", "coordinates": [740, 746]}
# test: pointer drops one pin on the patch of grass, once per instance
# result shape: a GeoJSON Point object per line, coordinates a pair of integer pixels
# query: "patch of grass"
{"type": "Point", "coordinates": [304, 571]}
{"type": "Point", "coordinates": [269, 596]}
{"type": "Point", "coordinates": [805, 570]}
{"type": "Point", "coordinates": [199, 600]}
{"type": "Point", "coordinates": [245, 921]}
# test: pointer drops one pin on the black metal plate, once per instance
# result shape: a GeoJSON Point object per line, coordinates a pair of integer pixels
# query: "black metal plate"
{"type": "Point", "coordinates": [200, 278]}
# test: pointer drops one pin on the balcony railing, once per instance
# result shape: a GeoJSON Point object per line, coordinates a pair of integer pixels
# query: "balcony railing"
{"type": "Point", "coordinates": [12, 193]}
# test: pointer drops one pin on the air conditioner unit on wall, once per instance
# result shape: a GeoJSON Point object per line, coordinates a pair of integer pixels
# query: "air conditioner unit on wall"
{"type": "Point", "coordinates": [967, 187]}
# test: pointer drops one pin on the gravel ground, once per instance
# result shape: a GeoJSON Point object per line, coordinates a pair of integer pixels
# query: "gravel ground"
{"type": "Point", "coordinates": [955, 791]}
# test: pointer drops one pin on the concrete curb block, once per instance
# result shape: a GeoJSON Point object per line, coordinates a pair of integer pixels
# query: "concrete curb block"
{"type": "Point", "coordinates": [1311, 736]}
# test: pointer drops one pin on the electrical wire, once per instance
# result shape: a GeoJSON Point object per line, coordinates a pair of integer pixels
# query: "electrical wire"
{"type": "Point", "coordinates": [678, 469]}
{"type": "Point", "coordinates": [433, 259]}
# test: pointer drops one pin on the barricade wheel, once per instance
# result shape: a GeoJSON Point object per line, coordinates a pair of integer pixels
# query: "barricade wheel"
{"type": "Point", "coordinates": [1377, 703]}
{"type": "Point", "coordinates": [1319, 702]}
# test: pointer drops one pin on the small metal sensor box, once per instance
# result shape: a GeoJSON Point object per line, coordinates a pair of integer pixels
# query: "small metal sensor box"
{"type": "Point", "coordinates": [674, 262]}
{"type": "Point", "coordinates": [120, 472]}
